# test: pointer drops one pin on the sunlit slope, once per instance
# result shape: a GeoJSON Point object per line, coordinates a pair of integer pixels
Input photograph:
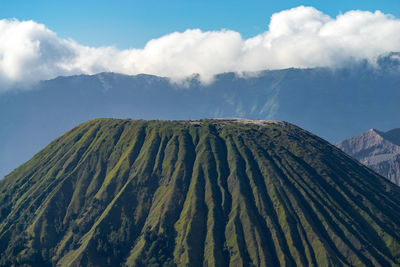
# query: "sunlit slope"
{"type": "Point", "coordinates": [210, 192]}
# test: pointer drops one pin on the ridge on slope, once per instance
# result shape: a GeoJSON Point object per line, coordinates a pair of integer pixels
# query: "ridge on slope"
{"type": "Point", "coordinates": [378, 150]}
{"type": "Point", "coordinates": [210, 192]}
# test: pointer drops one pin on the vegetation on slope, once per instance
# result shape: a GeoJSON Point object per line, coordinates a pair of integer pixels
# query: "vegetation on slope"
{"type": "Point", "coordinates": [210, 192]}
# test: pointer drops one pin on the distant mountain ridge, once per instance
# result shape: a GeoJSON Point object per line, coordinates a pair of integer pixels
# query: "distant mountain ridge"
{"type": "Point", "coordinates": [333, 103]}
{"type": "Point", "coordinates": [378, 150]}
{"type": "Point", "coordinates": [392, 135]}
{"type": "Point", "coordinates": [213, 192]}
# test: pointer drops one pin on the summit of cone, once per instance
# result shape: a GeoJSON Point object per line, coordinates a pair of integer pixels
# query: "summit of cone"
{"type": "Point", "coordinates": [215, 192]}
{"type": "Point", "coordinates": [333, 103]}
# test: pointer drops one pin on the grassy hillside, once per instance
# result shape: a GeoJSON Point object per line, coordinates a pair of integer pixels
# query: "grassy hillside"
{"type": "Point", "coordinates": [210, 192]}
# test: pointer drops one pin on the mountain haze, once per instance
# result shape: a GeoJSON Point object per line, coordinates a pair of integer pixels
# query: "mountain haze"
{"type": "Point", "coordinates": [194, 193]}
{"type": "Point", "coordinates": [333, 103]}
{"type": "Point", "coordinates": [378, 150]}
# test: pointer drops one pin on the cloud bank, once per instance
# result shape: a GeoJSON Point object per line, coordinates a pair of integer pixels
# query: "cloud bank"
{"type": "Point", "coordinates": [300, 37]}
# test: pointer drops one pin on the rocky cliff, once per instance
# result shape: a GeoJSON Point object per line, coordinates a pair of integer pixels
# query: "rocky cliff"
{"type": "Point", "coordinates": [378, 150]}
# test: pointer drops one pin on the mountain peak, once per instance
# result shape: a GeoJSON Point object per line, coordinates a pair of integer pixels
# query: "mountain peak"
{"type": "Point", "coordinates": [358, 144]}
{"type": "Point", "coordinates": [236, 120]}
{"type": "Point", "coordinates": [219, 192]}
{"type": "Point", "coordinates": [378, 150]}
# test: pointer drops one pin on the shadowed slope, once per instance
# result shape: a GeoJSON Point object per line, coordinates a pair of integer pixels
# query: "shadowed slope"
{"type": "Point", "coordinates": [210, 192]}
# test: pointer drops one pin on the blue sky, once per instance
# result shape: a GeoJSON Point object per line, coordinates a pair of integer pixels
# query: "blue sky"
{"type": "Point", "coordinates": [130, 24]}
{"type": "Point", "coordinates": [41, 40]}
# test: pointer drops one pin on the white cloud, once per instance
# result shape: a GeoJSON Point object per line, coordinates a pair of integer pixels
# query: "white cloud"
{"type": "Point", "coordinates": [299, 37]}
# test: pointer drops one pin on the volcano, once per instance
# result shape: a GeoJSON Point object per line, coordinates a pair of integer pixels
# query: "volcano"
{"type": "Point", "coordinates": [212, 192]}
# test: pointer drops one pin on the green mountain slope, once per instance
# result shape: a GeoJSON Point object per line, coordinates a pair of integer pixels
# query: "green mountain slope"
{"type": "Point", "coordinates": [194, 193]}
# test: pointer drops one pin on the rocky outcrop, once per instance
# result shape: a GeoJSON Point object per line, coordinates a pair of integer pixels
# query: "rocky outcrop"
{"type": "Point", "coordinates": [378, 150]}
